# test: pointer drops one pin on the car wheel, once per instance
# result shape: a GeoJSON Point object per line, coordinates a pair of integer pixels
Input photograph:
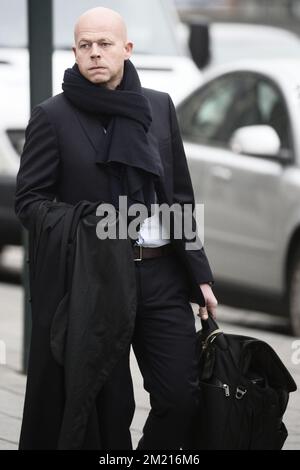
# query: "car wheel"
{"type": "Point", "coordinates": [294, 294]}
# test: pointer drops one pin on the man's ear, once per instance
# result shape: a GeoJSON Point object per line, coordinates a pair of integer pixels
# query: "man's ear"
{"type": "Point", "coordinates": [74, 51]}
{"type": "Point", "coordinates": [128, 50]}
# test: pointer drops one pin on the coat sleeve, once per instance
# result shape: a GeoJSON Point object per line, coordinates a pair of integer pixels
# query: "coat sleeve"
{"type": "Point", "coordinates": [39, 168]}
{"type": "Point", "coordinates": [184, 194]}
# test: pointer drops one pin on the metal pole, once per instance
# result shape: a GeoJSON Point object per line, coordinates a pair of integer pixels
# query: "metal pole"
{"type": "Point", "coordinates": [40, 62]}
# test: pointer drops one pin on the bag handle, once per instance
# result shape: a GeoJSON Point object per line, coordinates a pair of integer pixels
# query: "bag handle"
{"type": "Point", "coordinates": [211, 336]}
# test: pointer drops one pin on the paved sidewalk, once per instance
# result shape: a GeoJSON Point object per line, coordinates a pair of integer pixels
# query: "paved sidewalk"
{"type": "Point", "coordinates": [12, 382]}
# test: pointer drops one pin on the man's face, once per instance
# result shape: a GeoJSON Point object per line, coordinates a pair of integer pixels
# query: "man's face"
{"type": "Point", "coordinates": [100, 55]}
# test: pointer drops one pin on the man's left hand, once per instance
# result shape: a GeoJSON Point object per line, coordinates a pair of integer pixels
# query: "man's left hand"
{"type": "Point", "coordinates": [211, 303]}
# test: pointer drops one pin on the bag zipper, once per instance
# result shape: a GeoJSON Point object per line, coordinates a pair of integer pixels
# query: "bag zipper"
{"type": "Point", "coordinates": [226, 390]}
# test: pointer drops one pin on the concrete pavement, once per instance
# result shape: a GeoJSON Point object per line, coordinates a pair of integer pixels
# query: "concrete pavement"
{"type": "Point", "coordinates": [12, 382]}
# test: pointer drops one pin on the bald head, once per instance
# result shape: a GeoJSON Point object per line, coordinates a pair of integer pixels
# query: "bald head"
{"type": "Point", "coordinates": [101, 46]}
{"type": "Point", "coordinates": [100, 18]}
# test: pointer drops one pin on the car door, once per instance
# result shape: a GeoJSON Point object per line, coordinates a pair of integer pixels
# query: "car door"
{"type": "Point", "coordinates": [241, 193]}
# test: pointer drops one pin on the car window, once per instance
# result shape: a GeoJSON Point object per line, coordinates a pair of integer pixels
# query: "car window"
{"type": "Point", "coordinates": [262, 104]}
{"type": "Point", "coordinates": [13, 25]}
{"type": "Point", "coordinates": [233, 101]}
{"type": "Point", "coordinates": [273, 110]}
{"type": "Point", "coordinates": [159, 39]}
{"type": "Point", "coordinates": [203, 115]}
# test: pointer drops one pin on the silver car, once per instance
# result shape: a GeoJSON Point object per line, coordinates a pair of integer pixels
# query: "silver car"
{"type": "Point", "coordinates": [242, 140]}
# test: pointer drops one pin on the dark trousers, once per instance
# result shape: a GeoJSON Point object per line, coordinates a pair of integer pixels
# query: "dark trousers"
{"type": "Point", "coordinates": [164, 346]}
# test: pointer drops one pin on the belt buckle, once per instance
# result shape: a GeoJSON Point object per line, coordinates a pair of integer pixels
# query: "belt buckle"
{"type": "Point", "coordinates": [140, 253]}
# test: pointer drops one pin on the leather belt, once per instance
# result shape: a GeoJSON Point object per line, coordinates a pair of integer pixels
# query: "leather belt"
{"type": "Point", "coordinates": [141, 252]}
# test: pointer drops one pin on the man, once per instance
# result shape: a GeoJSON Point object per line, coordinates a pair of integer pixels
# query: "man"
{"type": "Point", "coordinates": [102, 138]}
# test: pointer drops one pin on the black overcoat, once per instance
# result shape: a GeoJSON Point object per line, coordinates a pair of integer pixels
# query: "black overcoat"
{"type": "Point", "coordinates": [61, 163]}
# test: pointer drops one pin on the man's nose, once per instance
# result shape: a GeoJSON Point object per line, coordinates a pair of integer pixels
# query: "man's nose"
{"type": "Point", "coordinates": [95, 51]}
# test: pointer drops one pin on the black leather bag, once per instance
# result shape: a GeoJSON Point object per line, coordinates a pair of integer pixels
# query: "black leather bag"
{"type": "Point", "coordinates": [243, 393]}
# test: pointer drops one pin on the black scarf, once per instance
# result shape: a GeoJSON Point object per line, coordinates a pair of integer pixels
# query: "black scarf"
{"type": "Point", "coordinates": [131, 152]}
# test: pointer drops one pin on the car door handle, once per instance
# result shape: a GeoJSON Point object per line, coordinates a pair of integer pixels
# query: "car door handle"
{"type": "Point", "coordinates": [221, 172]}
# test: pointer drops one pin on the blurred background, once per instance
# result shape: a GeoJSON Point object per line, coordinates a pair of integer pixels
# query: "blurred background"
{"type": "Point", "coordinates": [232, 68]}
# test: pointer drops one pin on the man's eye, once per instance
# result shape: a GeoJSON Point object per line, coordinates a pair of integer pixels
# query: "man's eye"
{"type": "Point", "coordinates": [105, 44]}
{"type": "Point", "coordinates": [84, 46]}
